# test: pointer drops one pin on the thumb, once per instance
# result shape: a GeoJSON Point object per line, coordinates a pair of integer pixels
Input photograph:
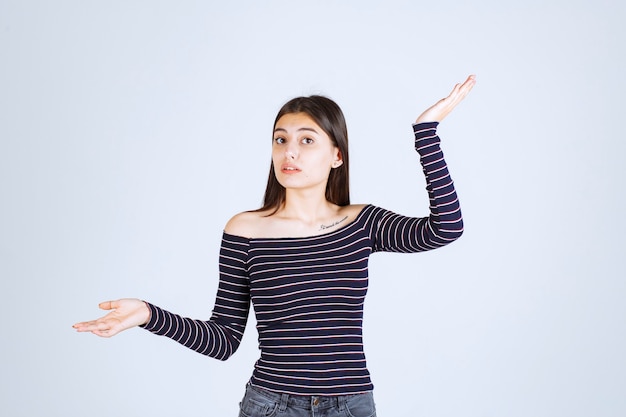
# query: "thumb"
{"type": "Point", "coordinates": [108, 305]}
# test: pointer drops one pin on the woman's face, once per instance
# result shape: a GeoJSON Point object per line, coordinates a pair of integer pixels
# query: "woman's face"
{"type": "Point", "coordinates": [302, 153]}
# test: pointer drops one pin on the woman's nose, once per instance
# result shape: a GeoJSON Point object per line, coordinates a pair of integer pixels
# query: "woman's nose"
{"type": "Point", "coordinates": [291, 152]}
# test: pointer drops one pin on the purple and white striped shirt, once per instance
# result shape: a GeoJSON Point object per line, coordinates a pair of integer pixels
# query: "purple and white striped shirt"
{"type": "Point", "coordinates": [308, 292]}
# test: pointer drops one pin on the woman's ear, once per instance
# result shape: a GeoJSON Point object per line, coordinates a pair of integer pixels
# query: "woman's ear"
{"type": "Point", "coordinates": [338, 160]}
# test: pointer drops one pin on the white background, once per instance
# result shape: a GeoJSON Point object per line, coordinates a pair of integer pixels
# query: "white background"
{"type": "Point", "coordinates": [131, 131]}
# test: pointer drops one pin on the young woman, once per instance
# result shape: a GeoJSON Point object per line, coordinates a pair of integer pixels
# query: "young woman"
{"type": "Point", "coordinates": [301, 260]}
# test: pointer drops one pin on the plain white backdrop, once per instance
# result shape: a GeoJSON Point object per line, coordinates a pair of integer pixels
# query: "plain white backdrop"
{"type": "Point", "coordinates": [131, 131]}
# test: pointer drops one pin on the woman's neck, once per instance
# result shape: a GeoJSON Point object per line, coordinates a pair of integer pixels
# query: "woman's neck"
{"type": "Point", "coordinates": [307, 209]}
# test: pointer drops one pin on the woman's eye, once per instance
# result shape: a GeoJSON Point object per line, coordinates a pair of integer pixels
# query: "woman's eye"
{"type": "Point", "coordinates": [307, 140]}
{"type": "Point", "coordinates": [279, 140]}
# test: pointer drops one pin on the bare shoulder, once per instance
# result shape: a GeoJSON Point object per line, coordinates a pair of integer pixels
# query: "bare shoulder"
{"type": "Point", "coordinates": [266, 224]}
{"type": "Point", "coordinates": [353, 210]}
{"type": "Point", "coordinates": [245, 224]}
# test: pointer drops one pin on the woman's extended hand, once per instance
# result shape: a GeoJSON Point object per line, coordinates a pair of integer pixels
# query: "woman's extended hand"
{"type": "Point", "coordinates": [443, 107]}
{"type": "Point", "coordinates": [126, 313]}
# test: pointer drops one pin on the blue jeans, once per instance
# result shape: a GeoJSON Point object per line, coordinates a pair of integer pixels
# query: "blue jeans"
{"type": "Point", "coordinates": [261, 403]}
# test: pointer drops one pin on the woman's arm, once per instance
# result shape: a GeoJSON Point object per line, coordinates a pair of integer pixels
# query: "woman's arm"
{"type": "Point", "coordinates": [219, 337]}
{"type": "Point", "coordinates": [397, 233]}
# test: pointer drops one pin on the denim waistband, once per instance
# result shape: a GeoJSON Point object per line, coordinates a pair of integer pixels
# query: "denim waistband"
{"type": "Point", "coordinates": [307, 402]}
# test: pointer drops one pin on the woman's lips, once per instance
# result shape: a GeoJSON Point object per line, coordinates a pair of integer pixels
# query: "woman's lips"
{"type": "Point", "coordinates": [289, 169]}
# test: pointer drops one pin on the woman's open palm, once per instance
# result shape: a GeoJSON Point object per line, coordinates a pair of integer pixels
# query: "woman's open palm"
{"type": "Point", "coordinates": [125, 313]}
{"type": "Point", "coordinates": [443, 107]}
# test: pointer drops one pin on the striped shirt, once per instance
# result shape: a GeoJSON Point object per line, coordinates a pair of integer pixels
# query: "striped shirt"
{"type": "Point", "coordinates": [308, 292]}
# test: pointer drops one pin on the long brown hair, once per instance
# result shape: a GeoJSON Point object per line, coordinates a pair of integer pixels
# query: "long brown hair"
{"type": "Point", "coordinates": [328, 116]}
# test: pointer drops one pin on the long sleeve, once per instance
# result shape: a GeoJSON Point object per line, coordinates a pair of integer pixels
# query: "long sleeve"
{"type": "Point", "coordinates": [396, 233]}
{"type": "Point", "coordinates": [220, 336]}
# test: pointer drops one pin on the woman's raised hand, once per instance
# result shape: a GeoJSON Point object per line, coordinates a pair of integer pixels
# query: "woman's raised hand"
{"type": "Point", "coordinates": [443, 107]}
{"type": "Point", "coordinates": [125, 313]}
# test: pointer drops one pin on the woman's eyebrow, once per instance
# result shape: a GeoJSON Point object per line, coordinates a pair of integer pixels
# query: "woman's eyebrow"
{"type": "Point", "coordinates": [307, 129]}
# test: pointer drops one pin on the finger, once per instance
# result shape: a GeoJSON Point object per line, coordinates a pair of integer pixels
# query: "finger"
{"type": "Point", "coordinates": [108, 305]}
{"type": "Point", "coordinates": [83, 325]}
{"type": "Point", "coordinates": [90, 326]}
{"type": "Point", "coordinates": [460, 90]}
{"type": "Point", "coordinates": [467, 86]}
{"type": "Point", "coordinates": [463, 88]}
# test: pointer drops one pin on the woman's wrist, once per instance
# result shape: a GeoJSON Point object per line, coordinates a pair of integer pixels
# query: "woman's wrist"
{"type": "Point", "coordinates": [146, 314]}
